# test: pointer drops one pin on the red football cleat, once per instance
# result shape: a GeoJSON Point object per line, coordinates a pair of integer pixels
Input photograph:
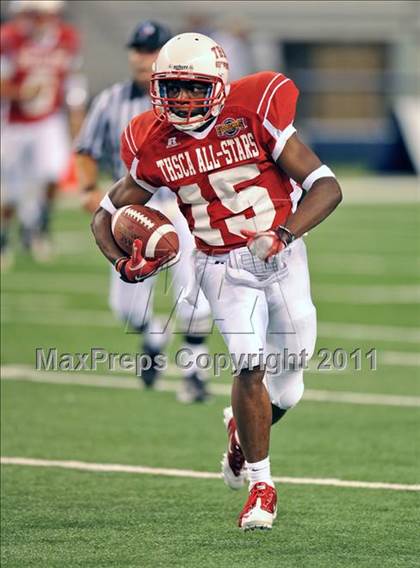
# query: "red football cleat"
{"type": "Point", "coordinates": [233, 462]}
{"type": "Point", "coordinates": [260, 510]}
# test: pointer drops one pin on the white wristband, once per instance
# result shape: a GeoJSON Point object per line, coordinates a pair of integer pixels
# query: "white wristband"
{"type": "Point", "coordinates": [321, 172]}
{"type": "Point", "coordinates": [107, 204]}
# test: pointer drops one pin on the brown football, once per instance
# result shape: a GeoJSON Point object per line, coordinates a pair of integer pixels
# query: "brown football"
{"type": "Point", "coordinates": [152, 227]}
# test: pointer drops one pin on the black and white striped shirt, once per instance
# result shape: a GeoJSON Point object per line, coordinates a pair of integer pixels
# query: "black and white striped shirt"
{"type": "Point", "coordinates": [108, 115]}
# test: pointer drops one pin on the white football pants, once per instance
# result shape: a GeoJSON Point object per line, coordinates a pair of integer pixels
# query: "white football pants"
{"type": "Point", "coordinates": [276, 322]}
{"type": "Point", "coordinates": [133, 303]}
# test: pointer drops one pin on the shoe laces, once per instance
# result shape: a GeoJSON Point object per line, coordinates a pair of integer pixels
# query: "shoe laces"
{"type": "Point", "coordinates": [265, 493]}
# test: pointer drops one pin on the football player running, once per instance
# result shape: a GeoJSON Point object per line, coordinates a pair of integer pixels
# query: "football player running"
{"type": "Point", "coordinates": [238, 169]}
{"type": "Point", "coordinates": [99, 142]}
{"type": "Point", "coordinates": [40, 80]}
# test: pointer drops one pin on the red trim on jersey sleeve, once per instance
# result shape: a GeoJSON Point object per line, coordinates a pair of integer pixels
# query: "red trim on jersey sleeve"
{"type": "Point", "coordinates": [279, 105]}
{"type": "Point", "coordinates": [277, 109]}
{"type": "Point", "coordinates": [132, 138]}
{"type": "Point", "coordinates": [273, 97]}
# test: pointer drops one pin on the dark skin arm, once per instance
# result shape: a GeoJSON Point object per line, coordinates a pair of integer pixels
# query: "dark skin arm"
{"type": "Point", "coordinates": [124, 192]}
{"type": "Point", "coordinates": [298, 161]}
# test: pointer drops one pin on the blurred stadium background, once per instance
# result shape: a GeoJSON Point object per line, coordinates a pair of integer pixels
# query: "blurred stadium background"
{"type": "Point", "coordinates": [357, 67]}
{"type": "Point", "coordinates": [356, 64]}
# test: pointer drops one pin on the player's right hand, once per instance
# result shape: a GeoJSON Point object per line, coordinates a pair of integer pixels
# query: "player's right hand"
{"type": "Point", "coordinates": [91, 200]}
{"type": "Point", "coordinates": [136, 268]}
{"type": "Point", "coordinates": [263, 244]}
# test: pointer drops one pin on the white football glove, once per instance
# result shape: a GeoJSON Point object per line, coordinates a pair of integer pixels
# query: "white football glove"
{"type": "Point", "coordinates": [264, 244]}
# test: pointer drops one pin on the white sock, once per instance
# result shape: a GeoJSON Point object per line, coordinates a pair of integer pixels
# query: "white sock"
{"type": "Point", "coordinates": [259, 472]}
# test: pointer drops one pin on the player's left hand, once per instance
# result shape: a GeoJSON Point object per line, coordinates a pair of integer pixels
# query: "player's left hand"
{"type": "Point", "coordinates": [263, 244]}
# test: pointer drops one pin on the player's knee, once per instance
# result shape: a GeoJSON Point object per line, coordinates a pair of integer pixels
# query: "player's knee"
{"type": "Point", "coordinates": [287, 390]}
{"type": "Point", "coordinates": [291, 396]}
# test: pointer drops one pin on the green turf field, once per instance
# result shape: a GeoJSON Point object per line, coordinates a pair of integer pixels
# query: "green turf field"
{"type": "Point", "coordinates": [365, 280]}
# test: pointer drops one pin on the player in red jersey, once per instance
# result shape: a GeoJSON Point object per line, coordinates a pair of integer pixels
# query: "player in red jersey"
{"type": "Point", "coordinates": [232, 156]}
{"type": "Point", "coordinates": [39, 60]}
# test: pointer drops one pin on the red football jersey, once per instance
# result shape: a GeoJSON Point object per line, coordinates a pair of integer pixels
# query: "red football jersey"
{"type": "Point", "coordinates": [43, 63]}
{"type": "Point", "coordinates": [225, 177]}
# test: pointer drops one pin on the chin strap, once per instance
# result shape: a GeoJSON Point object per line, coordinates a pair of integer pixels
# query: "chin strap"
{"type": "Point", "coordinates": [194, 126]}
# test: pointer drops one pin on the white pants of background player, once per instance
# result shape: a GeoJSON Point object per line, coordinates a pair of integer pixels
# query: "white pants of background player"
{"type": "Point", "coordinates": [272, 319]}
{"type": "Point", "coordinates": [133, 303]}
{"type": "Point", "coordinates": [32, 155]}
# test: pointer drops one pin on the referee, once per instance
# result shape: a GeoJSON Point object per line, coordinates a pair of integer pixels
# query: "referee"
{"type": "Point", "coordinates": [99, 143]}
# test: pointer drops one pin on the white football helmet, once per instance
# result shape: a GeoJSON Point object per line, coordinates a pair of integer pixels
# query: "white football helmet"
{"type": "Point", "coordinates": [42, 6]}
{"type": "Point", "coordinates": [190, 57]}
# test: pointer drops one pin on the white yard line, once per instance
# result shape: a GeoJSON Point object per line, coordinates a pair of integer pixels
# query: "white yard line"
{"type": "Point", "coordinates": [49, 316]}
{"type": "Point", "coordinates": [380, 190]}
{"type": "Point", "coordinates": [399, 358]}
{"type": "Point", "coordinates": [80, 281]}
{"type": "Point", "coordinates": [370, 294]}
{"type": "Point", "coordinates": [22, 301]}
{"type": "Point", "coordinates": [103, 318]}
{"type": "Point", "coordinates": [363, 258]}
{"type": "Point", "coordinates": [369, 332]}
{"type": "Point", "coordinates": [66, 288]}
{"type": "Point", "coordinates": [350, 263]}
{"type": "Point", "coordinates": [191, 474]}
{"type": "Point", "coordinates": [367, 294]}
{"type": "Point", "coordinates": [25, 373]}
{"type": "Point", "coordinates": [361, 398]}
